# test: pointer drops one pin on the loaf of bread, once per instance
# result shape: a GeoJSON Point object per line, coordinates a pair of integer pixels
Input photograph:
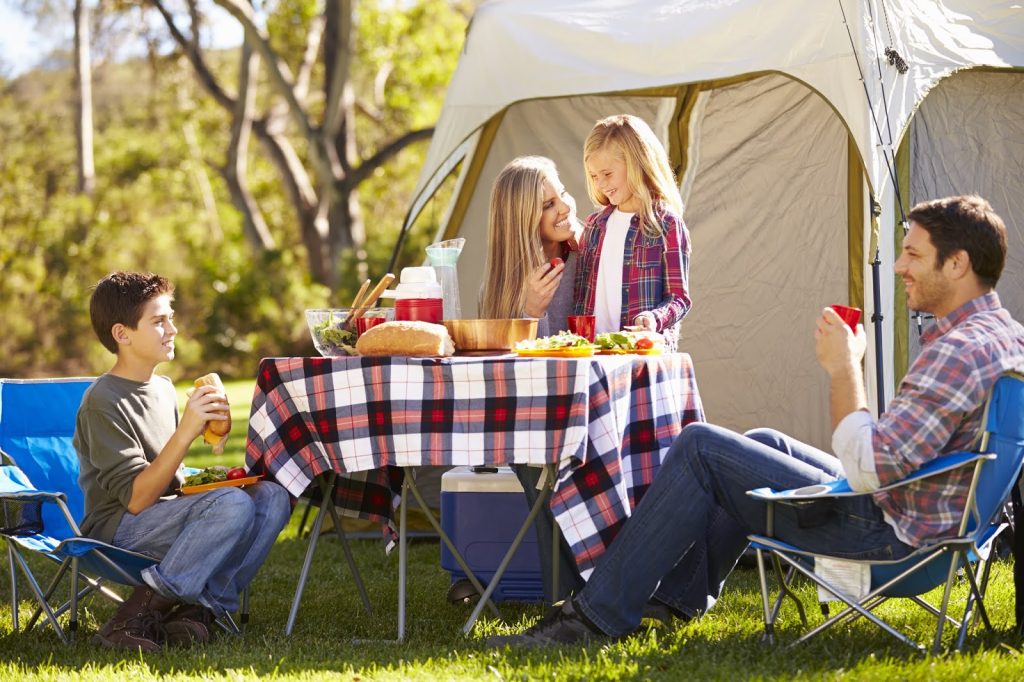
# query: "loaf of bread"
{"type": "Point", "coordinates": [419, 339]}
{"type": "Point", "coordinates": [216, 432]}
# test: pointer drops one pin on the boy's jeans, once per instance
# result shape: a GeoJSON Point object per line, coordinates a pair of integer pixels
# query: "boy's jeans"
{"type": "Point", "coordinates": [694, 519]}
{"type": "Point", "coordinates": [210, 545]}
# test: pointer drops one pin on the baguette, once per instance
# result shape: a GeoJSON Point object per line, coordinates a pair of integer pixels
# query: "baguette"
{"type": "Point", "coordinates": [216, 432]}
{"type": "Point", "coordinates": [413, 338]}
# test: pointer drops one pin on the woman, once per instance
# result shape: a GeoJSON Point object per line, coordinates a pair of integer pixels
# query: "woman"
{"type": "Point", "coordinates": [531, 227]}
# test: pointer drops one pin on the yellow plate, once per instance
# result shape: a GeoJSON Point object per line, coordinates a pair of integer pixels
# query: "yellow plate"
{"type": "Point", "coordinates": [626, 351]}
{"type": "Point", "coordinates": [235, 483]}
{"type": "Point", "coordinates": [571, 352]}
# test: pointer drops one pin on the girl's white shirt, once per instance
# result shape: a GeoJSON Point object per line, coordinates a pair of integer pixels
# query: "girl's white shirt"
{"type": "Point", "coordinates": [608, 297]}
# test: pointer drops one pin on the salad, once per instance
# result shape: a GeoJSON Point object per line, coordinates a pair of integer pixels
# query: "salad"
{"type": "Point", "coordinates": [555, 341]}
{"type": "Point", "coordinates": [333, 338]}
{"type": "Point", "coordinates": [213, 474]}
{"type": "Point", "coordinates": [628, 341]}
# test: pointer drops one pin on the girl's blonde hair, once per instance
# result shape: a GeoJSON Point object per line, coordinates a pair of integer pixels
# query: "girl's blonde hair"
{"type": "Point", "coordinates": [648, 172]}
{"type": "Point", "coordinates": [513, 247]}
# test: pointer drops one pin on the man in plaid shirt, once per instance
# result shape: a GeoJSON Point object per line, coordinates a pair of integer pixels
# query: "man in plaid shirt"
{"type": "Point", "coordinates": [952, 257]}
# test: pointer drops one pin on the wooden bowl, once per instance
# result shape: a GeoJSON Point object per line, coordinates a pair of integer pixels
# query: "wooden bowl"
{"type": "Point", "coordinates": [473, 335]}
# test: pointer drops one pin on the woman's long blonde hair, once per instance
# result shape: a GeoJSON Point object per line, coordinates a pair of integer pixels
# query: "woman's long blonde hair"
{"type": "Point", "coordinates": [648, 171]}
{"type": "Point", "coordinates": [514, 249]}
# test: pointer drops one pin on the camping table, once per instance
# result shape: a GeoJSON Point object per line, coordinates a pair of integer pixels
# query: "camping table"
{"type": "Point", "coordinates": [602, 423]}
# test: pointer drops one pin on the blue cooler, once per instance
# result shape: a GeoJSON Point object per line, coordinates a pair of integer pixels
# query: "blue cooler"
{"type": "Point", "coordinates": [481, 513]}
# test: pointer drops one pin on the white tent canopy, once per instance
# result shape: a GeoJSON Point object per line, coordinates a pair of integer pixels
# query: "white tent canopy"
{"type": "Point", "coordinates": [764, 108]}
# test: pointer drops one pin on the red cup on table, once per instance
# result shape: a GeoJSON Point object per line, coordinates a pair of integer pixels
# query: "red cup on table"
{"type": "Point", "coordinates": [363, 323]}
{"type": "Point", "coordinates": [850, 316]}
{"type": "Point", "coordinates": [583, 325]}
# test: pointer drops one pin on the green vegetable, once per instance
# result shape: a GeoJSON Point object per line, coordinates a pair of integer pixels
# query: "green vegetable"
{"type": "Point", "coordinates": [208, 475]}
{"type": "Point", "coordinates": [560, 340]}
{"type": "Point", "coordinates": [334, 337]}
{"type": "Point", "coordinates": [613, 340]}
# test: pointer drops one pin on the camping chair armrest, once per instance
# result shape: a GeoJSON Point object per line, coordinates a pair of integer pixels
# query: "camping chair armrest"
{"type": "Point", "coordinates": [33, 496]}
{"type": "Point", "coordinates": [841, 487]}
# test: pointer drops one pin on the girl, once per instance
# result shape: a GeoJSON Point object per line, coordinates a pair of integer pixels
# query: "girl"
{"type": "Point", "coordinates": [635, 254]}
{"type": "Point", "coordinates": [531, 225]}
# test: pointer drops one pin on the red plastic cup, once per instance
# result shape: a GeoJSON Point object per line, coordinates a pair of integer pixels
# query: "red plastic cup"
{"type": "Point", "coordinates": [364, 323]}
{"type": "Point", "coordinates": [851, 316]}
{"type": "Point", "coordinates": [584, 325]}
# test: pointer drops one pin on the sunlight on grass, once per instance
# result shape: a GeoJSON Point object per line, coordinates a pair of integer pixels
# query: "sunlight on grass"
{"type": "Point", "coordinates": [334, 638]}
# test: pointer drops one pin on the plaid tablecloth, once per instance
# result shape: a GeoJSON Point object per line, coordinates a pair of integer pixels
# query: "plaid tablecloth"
{"type": "Point", "coordinates": [605, 421]}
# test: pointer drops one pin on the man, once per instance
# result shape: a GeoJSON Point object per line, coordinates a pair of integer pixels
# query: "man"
{"type": "Point", "coordinates": [952, 257]}
{"type": "Point", "coordinates": [131, 443]}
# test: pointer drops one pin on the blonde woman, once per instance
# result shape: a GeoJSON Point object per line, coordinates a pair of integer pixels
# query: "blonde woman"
{"type": "Point", "coordinates": [531, 261]}
{"type": "Point", "coordinates": [635, 252]}
{"type": "Point", "coordinates": [531, 239]}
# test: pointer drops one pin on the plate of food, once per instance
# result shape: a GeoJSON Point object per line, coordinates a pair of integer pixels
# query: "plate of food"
{"type": "Point", "coordinates": [630, 342]}
{"type": "Point", "coordinates": [215, 477]}
{"type": "Point", "coordinates": [560, 345]}
{"type": "Point", "coordinates": [573, 352]}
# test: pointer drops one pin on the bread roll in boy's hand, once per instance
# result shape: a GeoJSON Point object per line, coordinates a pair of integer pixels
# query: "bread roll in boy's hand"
{"type": "Point", "coordinates": [216, 433]}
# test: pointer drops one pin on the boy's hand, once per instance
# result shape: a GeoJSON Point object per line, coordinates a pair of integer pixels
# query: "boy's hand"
{"type": "Point", "coordinates": [205, 403]}
{"type": "Point", "coordinates": [541, 287]}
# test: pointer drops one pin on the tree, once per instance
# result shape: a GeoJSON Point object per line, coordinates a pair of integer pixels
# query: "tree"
{"type": "Point", "coordinates": [83, 98]}
{"type": "Point", "coordinates": [312, 135]}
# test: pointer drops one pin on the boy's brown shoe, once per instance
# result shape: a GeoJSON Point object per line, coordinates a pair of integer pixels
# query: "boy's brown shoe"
{"type": "Point", "coordinates": [137, 624]}
{"type": "Point", "coordinates": [189, 624]}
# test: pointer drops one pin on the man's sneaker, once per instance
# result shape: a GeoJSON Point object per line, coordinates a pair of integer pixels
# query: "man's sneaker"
{"type": "Point", "coordinates": [662, 612]}
{"type": "Point", "coordinates": [561, 626]}
{"type": "Point", "coordinates": [189, 624]}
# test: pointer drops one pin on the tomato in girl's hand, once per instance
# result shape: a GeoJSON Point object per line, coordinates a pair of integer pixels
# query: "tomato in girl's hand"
{"type": "Point", "coordinates": [554, 262]}
{"type": "Point", "coordinates": [643, 343]}
{"type": "Point", "coordinates": [235, 473]}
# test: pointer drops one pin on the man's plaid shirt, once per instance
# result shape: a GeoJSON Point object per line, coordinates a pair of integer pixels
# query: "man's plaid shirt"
{"type": "Point", "coordinates": [938, 410]}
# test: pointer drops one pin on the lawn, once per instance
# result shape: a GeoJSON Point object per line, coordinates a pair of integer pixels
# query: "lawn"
{"type": "Point", "coordinates": [335, 639]}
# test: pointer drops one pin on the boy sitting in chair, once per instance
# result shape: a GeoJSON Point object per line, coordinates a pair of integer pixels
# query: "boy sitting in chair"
{"type": "Point", "coordinates": [131, 443]}
{"type": "Point", "coordinates": [952, 257]}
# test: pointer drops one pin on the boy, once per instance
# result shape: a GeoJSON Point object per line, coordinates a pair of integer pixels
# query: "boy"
{"type": "Point", "coordinates": [130, 444]}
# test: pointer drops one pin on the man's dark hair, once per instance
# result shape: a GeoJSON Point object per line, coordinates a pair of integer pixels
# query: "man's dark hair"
{"type": "Point", "coordinates": [965, 222]}
{"type": "Point", "coordinates": [119, 298]}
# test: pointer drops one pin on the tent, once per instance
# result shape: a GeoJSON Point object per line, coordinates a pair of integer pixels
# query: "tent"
{"type": "Point", "coordinates": [787, 122]}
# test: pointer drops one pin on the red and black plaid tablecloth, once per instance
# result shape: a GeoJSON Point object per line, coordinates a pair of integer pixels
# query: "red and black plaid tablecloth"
{"type": "Point", "coordinates": [606, 422]}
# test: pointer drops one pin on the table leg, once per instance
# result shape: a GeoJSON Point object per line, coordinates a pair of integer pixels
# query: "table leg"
{"type": "Point", "coordinates": [556, 553]}
{"type": "Point", "coordinates": [451, 546]}
{"type": "Point", "coordinates": [402, 558]}
{"type": "Point", "coordinates": [542, 499]}
{"type": "Point", "coordinates": [314, 535]}
{"type": "Point", "coordinates": [350, 559]}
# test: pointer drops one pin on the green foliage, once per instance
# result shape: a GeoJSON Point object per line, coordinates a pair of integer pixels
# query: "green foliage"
{"type": "Point", "coordinates": [159, 139]}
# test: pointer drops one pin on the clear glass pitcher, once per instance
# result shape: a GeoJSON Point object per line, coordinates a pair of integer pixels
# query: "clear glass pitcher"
{"type": "Point", "coordinates": [444, 257]}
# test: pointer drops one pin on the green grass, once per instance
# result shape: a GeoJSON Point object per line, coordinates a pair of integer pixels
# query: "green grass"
{"type": "Point", "coordinates": [726, 644]}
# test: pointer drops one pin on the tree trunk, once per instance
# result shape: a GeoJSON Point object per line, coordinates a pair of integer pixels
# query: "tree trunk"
{"type": "Point", "coordinates": [253, 225]}
{"type": "Point", "coordinates": [83, 99]}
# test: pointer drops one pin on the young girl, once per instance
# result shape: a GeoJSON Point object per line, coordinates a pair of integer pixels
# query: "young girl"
{"type": "Point", "coordinates": [531, 224]}
{"type": "Point", "coordinates": [635, 253]}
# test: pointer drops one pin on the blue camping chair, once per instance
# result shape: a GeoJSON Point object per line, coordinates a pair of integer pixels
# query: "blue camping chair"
{"type": "Point", "coordinates": [996, 464]}
{"type": "Point", "coordinates": [41, 502]}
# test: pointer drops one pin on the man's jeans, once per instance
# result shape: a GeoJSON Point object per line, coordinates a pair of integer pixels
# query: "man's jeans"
{"type": "Point", "coordinates": [690, 528]}
{"type": "Point", "coordinates": [210, 545]}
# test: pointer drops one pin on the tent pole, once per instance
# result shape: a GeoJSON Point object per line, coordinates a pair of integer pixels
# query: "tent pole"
{"type": "Point", "coordinates": [876, 318]}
